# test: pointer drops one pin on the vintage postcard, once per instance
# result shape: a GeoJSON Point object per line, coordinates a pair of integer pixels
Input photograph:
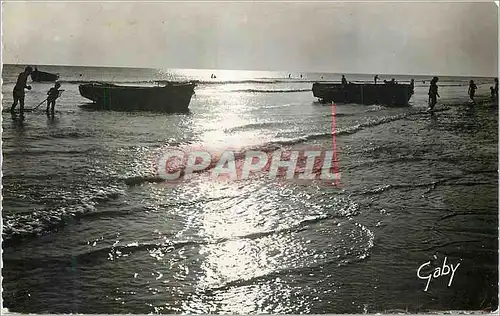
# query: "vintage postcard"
{"type": "Point", "coordinates": [249, 157]}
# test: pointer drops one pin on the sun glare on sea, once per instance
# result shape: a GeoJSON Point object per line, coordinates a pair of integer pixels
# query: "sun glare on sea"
{"type": "Point", "coordinates": [239, 255]}
{"type": "Point", "coordinates": [223, 127]}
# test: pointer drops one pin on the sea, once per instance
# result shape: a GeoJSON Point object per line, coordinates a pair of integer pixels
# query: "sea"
{"type": "Point", "coordinates": [89, 227]}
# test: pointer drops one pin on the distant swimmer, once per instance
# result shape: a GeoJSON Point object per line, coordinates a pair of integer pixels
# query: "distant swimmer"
{"type": "Point", "coordinates": [18, 92]}
{"type": "Point", "coordinates": [433, 93]}
{"type": "Point", "coordinates": [375, 79]}
{"type": "Point", "coordinates": [472, 90]}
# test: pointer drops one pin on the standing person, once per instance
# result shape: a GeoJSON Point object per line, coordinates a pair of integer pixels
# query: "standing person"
{"type": "Point", "coordinates": [375, 79]}
{"type": "Point", "coordinates": [433, 93]}
{"type": "Point", "coordinates": [496, 87]}
{"type": "Point", "coordinates": [53, 94]}
{"type": "Point", "coordinates": [472, 90]}
{"type": "Point", "coordinates": [344, 80]}
{"type": "Point", "coordinates": [18, 92]}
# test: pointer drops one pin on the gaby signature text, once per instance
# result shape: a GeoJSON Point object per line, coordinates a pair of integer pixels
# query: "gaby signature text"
{"type": "Point", "coordinates": [445, 269]}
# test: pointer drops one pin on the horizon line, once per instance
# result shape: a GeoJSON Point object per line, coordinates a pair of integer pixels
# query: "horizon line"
{"type": "Point", "coordinates": [248, 70]}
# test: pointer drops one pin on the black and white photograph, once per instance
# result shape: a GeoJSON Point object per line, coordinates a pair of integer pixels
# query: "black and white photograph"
{"type": "Point", "coordinates": [249, 157]}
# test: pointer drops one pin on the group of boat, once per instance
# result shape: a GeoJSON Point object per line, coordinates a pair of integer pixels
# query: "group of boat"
{"type": "Point", "coordinates": [172, 97]}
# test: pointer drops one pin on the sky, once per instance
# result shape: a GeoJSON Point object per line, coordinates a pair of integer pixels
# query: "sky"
{"type": "Point", "coordinates": [447, 38]}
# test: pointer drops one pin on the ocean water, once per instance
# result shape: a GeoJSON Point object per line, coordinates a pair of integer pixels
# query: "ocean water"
{"type": "Point", "coordinates": [88, 227]}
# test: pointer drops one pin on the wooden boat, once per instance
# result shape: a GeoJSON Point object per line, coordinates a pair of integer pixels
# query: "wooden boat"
{"type": "Point", "coordinates": [40, 76]}
{"type": "Point", "coordinates": [170, 98]}
{"type": "Point", "coordinates": [393, 94]}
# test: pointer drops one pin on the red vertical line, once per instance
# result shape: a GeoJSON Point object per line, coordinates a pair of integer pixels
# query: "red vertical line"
{"type": "Point", "coordinates": [334, 148]}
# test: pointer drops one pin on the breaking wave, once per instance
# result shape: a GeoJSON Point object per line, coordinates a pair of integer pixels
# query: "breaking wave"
{"type": "Point", "coordinates": [38, 222]}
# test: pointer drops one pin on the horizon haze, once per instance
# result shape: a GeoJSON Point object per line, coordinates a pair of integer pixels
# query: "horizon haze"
{"type": "Point", "coordinates": [340, 37]}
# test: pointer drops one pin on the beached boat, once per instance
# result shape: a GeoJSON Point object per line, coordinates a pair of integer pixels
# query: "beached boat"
{"type": "Point", "coordinates": [40, 76]}
{"type": "Point", "coordinates": [393, 94]}
{"type": "Point", "coordinates": [170, 98]}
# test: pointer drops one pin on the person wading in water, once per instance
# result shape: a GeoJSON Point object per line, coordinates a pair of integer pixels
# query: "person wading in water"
{"type": "Point", "coordinates": [472, 90]}
{"type": "Point", "coordinates": [496, 87]}
{"type": "Point", "coordinates": [433, 93]}
{"type": "Point", "coordinates": [18, 92]}
{"type": "Point", "coordinates": [53, 94]}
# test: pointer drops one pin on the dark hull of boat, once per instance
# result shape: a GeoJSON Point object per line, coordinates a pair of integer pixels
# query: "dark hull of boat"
{"type": "Point", "coordinates": [40, 76]}
{"type": "Point", "coordinates": [383, 94]}
{"type": "Point", "coordinates": [171, 98]}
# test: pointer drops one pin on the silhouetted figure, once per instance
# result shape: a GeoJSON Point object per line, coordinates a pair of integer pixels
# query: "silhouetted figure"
{"type": "Point", "coordinates": [53, 94]}
{"type": "Point", "coordinates": [433, 92]}
{"type": "Point", "coordinates": [496, 87]}
{"type": "Point", "coordinates": [375, 79]}
{"type": "Point", "coordinates": [412, 86]}
{"type": "Point", "coordinates": [393, 81]}
{"type": "Point", "coordinates": [472, 90]}
{"type": "Point", "coordinates": [344, 80]}
{"type": "Point", "coordinates": [18, 92]}
{"type": "Point", "coordinates": [289, 76]}
{"type": "Point", "coordinates": [300, 76]}
{"type": "Point", "coordinates": [385, 81]}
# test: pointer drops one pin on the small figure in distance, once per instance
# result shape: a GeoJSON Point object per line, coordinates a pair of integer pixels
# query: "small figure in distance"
{"type": "Point", "coordinates": [375, 79]}
{"type": "Point", "coordinates": [289, 76]}
{"type": "Point", "coordinates": [18, 92]}
{"type": "Point", "coordinates": [433, 93]}
{"type": "Point", "coordinates": [300, 76]}
{"type": "Point", "coordinates": [385, 81]}
{"type": "Point", "coordinates": [496, 87]}
{"type": "Point", "coordinates": [53, 94]}
{"type": "Point", "coordinates": [393, 81]}
{"type": "Point", "coordinates": [344, 80]}
{"type": "Point", "coordinates": [412, 86]}
{"type": "Point", "coordinates": [472, 90]}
